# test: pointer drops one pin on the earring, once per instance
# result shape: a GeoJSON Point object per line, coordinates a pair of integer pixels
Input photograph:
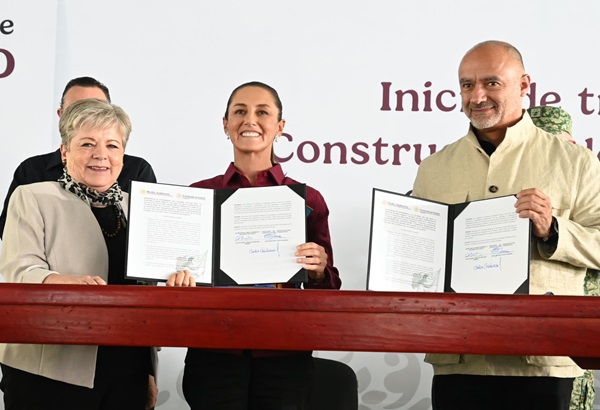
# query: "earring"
{"type": "Point", "coordinates": [276, 137]}
{"type": "Point", "coordinates": [64, 162]}
{"type": "Point", "coordinates": [227, 135]}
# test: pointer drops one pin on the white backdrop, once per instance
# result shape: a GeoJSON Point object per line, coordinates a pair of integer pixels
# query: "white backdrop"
{"type": "Point", "coordinates": [338, 67]}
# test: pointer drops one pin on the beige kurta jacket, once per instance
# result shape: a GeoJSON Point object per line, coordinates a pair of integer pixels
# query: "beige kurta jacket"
{"type": "Point", "coordinates": [527, 158]}
{"type": "Point", "coordinates": [50, 230]}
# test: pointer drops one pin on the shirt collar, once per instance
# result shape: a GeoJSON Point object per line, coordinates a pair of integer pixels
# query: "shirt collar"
{"type": "Point", "coordinates": [229, 174]}
{"type": "Point", "coordinates": [275, 172]}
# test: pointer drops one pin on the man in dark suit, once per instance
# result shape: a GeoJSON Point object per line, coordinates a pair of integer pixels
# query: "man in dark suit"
{"type": "Point", "coordinates": [49, 167]}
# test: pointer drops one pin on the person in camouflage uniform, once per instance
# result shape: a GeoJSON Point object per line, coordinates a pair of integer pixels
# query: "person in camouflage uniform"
{"type": "Point", "coordinates": [555, 120]}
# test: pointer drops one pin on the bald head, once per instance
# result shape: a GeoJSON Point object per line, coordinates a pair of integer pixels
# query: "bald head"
{"type": "Point", "coordinates": [500, 45]}
{"type": "Point", "coordinates": [493, 83]}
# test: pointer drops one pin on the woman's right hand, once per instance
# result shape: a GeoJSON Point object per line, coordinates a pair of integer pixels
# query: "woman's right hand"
{"type": "Point", "coordinates": [182, 278]}
{"type": "Point", "coordinates": [58, 279]}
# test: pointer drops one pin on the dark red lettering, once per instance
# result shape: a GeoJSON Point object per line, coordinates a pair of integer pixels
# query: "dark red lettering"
{"type": "Point", "coordinates": [316, 152]}
{"type": "Point", "coordinates": [289, 157]}
{"type": "Point", "coordinates": [385, 97]}
{"type": "Point", "coordinates": [397, 148]}
{"type": "Point", "coordinates": [10, 63]}
{"type": "Point", "coordinates": [584, 95]}
{"type": "Point", "coordinates": [356, 149]}
{"type": "Point", "coordinates": [548, 98]}
{"type": "Point", "coordinates": [427, 94]}
{"type": "Point", "coordinates": [328, 146]}
{"type": "Point", "coordinates": [440, 105]}
{"type": "Point", "coordinates": [531, 95]}
{"type": "Point", "coordinates": [379, 144]}
{"type": "Point", "coordinates": [545, 100]}
{"type": "Point", "coordinates": [399, 100]}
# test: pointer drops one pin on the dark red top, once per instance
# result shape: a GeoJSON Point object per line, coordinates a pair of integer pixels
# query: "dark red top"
{"type": "Point", "coordinates": [317, 226]}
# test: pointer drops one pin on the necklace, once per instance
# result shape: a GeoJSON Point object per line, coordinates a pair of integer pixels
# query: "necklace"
{"type": "Point", "coordinates": [119, 226]}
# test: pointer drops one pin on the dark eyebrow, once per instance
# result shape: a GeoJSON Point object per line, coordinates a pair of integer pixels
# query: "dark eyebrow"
{"type": "Point", "coordinates": [259, 105]}
{"type": "Point", "coordinates": [492, 78]}
{"type": "Point", "coordinates": [486, 79]}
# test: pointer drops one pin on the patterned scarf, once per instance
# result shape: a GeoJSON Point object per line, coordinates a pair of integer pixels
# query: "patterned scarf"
{"type": "Point", "coordinates": [112, 196]}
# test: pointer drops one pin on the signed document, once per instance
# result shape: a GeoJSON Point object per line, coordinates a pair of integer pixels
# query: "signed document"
{"type": "Point", "coordinates": [223, 237]}
{"type": "Point", "coordinates": [418, 245]}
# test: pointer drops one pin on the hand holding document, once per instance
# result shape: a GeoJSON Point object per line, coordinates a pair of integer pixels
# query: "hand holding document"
{"type": "Point", "coordinates": [425, 246]}
{"type": "Point", "coordinates": [223, 236]}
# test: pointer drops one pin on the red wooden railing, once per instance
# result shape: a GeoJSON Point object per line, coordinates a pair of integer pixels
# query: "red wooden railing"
{"type": "Point", "coordinates": [300, 319]}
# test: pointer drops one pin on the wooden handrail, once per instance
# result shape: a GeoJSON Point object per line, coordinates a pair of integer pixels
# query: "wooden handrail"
{"type": "Point", "coordinates": [290, 319]}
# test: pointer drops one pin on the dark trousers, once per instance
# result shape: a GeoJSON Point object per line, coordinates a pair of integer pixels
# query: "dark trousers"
{"type": "Point", "coordinates": [225, 381]}
{"type": "Point", "coordinates": [464, 392]}
{"type": "Point", "coordinates": [116, 387]}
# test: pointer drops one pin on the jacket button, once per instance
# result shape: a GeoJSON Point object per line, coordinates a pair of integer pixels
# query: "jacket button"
{"type": "Point", "coordinates": [493, 189]}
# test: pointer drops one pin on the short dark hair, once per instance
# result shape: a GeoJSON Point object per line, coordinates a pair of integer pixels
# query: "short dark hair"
{"type": "Point", "coordinates": [84, 82]}
{"type": "Point", "coordinates": [259, 85]}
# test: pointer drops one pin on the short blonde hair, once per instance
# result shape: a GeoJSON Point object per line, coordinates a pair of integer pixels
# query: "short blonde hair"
{"type": "Point", "coordinates": [93, 113]}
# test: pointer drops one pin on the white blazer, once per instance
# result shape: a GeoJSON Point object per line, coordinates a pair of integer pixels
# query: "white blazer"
{"type": "Point", "coordinates": [50, 230]}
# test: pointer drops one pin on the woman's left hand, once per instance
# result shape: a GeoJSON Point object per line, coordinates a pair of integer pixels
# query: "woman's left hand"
{"type": "Point", "coordinates": [314, 259]}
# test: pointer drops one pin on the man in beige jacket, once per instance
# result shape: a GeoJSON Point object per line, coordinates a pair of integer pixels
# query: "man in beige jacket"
{"type": "Point", "coordinates": [504, 153]}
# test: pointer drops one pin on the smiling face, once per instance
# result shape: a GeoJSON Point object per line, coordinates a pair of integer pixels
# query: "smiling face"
{"type": "Point", "coordinates": [252, 122]}
{"type": "Point", "coordinates": [492, 83]}
{"type": "Point", "coordinates": [95, 156]}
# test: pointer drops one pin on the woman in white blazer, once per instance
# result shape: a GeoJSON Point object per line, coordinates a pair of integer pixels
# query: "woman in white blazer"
{"type": "Point", "coordinates": [73, 231]}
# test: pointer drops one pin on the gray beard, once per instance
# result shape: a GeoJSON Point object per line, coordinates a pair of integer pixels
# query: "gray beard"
{"type": "Point", "coordinates": [483, 123]}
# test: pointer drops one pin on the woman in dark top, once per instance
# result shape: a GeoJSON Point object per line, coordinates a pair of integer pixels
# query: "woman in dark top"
{"type": "Point", "coordinates": [250, 379]}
